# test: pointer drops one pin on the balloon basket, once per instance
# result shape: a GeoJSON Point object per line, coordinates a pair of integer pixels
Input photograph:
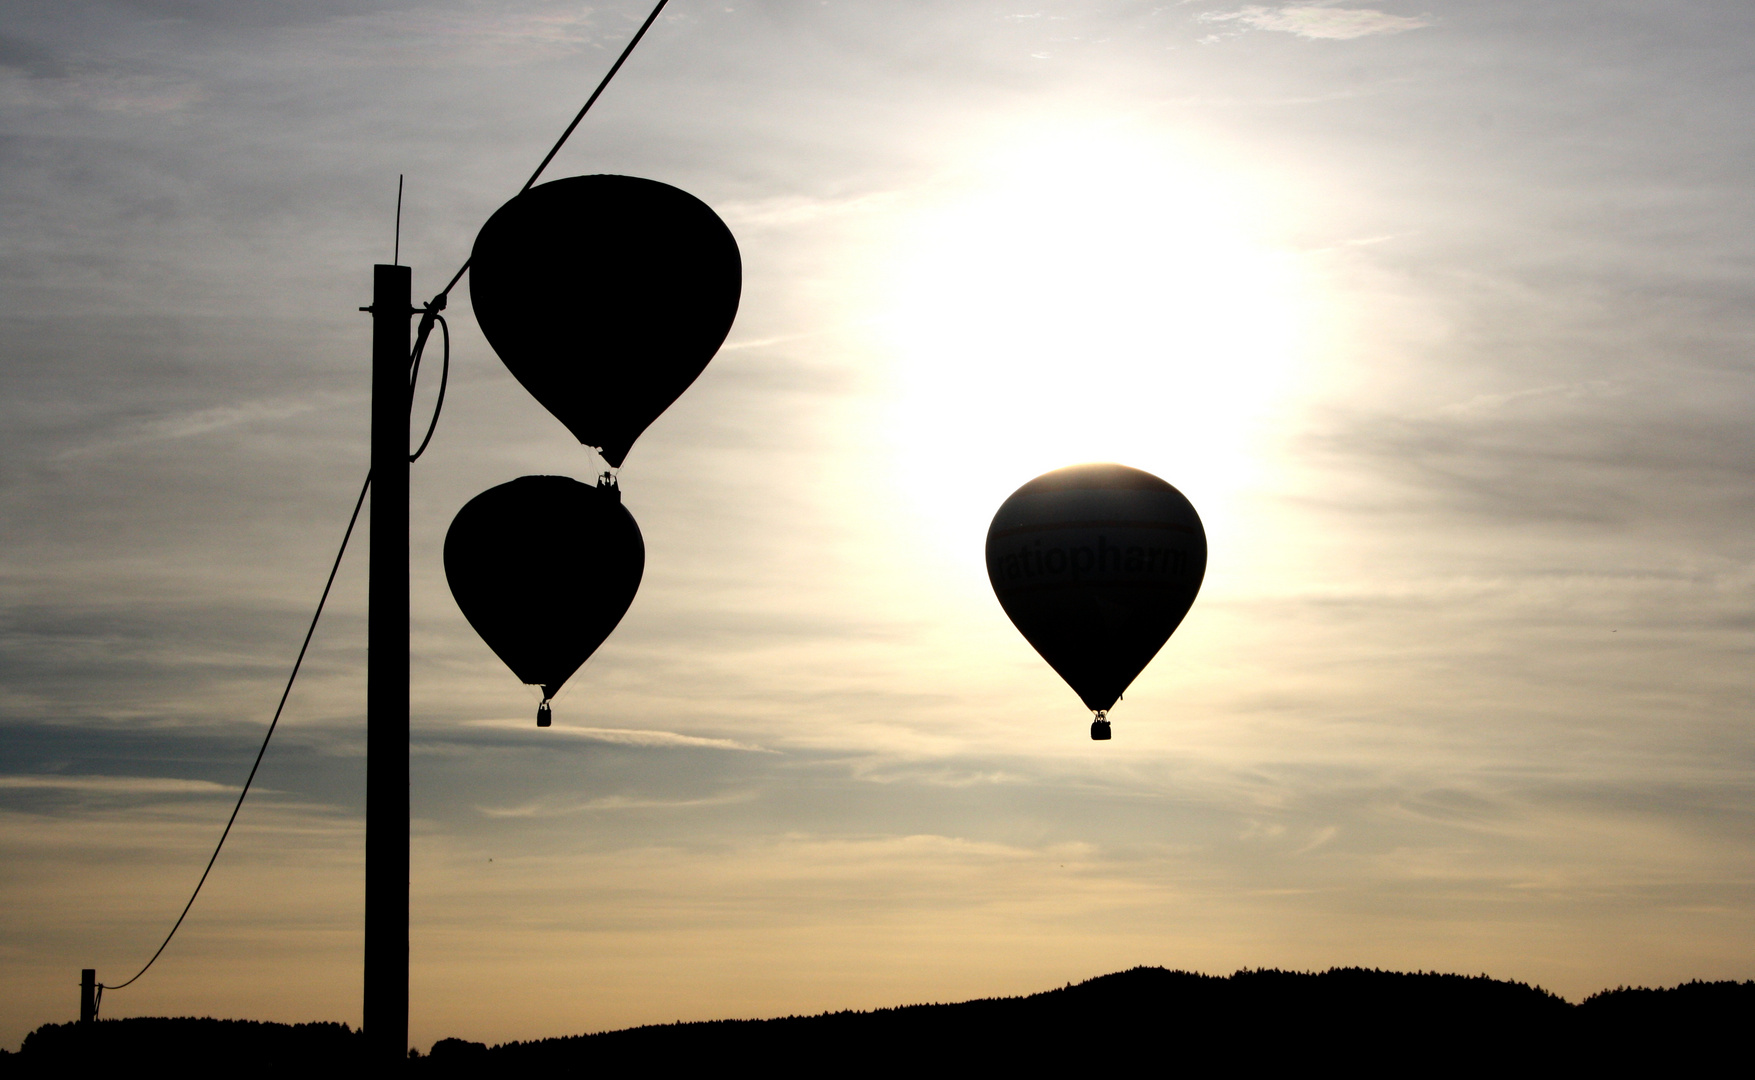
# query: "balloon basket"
{"type": "Point", "coordinates": [1100, 729]}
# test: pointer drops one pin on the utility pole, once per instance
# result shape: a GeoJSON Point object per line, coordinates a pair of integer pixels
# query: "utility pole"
{"type": "Point", "coordinates": [385, 1012]}
{"type": "Point", "coordinates": [87, 995]}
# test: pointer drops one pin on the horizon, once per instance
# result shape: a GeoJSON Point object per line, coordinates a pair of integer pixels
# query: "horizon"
{"type": "Point", "coordinates": [1134, 1009]}
{"type": "Point", "coordinates": [1437, 313]}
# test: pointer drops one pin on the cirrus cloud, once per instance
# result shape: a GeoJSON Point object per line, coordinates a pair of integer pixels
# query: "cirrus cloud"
{"type": "Point", "coordinates": [1319, 21]}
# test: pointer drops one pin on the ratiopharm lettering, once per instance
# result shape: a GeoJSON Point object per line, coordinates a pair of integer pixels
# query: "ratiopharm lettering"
{"type": "Point", "coordinates": [1051, 559]}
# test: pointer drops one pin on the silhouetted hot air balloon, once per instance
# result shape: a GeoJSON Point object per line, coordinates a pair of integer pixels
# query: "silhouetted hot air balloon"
{"type": "Point", "coordinates": [605, 296]}
{"type": "Point", "coordinates": [544, 567]}
{"type": "Point", "coordinates": [1096, 565]}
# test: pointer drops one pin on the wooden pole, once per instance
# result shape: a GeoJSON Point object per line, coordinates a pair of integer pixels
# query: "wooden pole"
{"type": "Point", "coordinates": [385, 1012]}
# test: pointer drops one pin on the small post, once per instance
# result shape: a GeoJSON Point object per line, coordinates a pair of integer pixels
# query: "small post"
{"type": "Point", "coordinates": [385, 1012]}
{"type": "Point", "coordinates": [87, 995]}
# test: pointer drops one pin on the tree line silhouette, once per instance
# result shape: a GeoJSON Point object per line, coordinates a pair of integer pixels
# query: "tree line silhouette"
{"type": "Point", "coordinates": [1355, 1018]}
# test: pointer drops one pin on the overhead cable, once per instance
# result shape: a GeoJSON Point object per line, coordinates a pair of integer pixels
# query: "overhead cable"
{"type": "Point", "coordinates": [429, 317]}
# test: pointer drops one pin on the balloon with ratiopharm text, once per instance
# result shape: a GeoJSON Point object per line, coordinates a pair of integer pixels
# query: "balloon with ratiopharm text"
{"type": "Point", "coordinates": [1096, 565]}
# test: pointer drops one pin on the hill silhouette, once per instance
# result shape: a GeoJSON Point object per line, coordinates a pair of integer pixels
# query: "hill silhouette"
{"type": "Point", "coordinates": [1352, 1018]}
{"type": "Point", "coordinates": [199, 1045]}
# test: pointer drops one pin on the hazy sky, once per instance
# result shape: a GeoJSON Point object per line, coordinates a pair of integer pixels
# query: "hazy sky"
{"type": "Point", "coordinates": [1439, 312]}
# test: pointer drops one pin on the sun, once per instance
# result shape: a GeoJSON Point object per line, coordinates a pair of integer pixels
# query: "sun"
{"type": "Point", "coordinates": [1093, 295]}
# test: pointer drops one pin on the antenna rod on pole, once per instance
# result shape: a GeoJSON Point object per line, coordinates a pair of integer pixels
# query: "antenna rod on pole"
{"type": "Point", "coordinates": [385, 1018]}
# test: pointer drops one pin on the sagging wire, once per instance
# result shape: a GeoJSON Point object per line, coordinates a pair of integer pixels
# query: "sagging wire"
{"type": "Point", "coordinates": [263, 749]}
{"type": "Point", "coordinates": [429, 318]}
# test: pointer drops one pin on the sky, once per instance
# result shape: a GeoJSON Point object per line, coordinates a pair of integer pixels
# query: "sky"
{"type": "Point", "coordinates": [1440, 313]}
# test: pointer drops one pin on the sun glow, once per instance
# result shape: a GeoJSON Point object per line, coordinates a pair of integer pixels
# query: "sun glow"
{"type": "Point", "coordinates": [1092, 297]}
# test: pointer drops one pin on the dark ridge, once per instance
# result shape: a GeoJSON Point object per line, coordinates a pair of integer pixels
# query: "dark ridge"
{"type": "Point", "coordinates": [1352, 1018]}
{"type": "Point", "coordinates": [1691, 1007]}
{"type": "Point", "coordinates": [200, 1046]}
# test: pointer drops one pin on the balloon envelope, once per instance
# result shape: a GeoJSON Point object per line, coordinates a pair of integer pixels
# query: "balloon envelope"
{"type": "Point", "coordinates": [544, 567]}
{"type": "Point", "coordinates": [605, 296]}
{"type": "Point", "coordinates": [1096, 565]}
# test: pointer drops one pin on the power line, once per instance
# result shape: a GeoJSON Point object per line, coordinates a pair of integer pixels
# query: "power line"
{"type": "Point", "coordinates": [444, 377]}
{"type": "Point", "coordinates": [429, 316]}
{"type": "Point", "coordinates": [430, 313]}
{"type": "Point", "coordinates": [239, 805]}
{"type": "Point", "coordinates": [560, 142]}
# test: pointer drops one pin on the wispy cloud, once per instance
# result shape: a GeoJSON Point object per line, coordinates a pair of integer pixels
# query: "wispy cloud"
{"type": "Point", "coordinates": [631, 736]}
{"type": "Point", "coordinates": [1320, 21]}
{"type": "Point", "coordinates": [1484, 404]}
{"type": "Point", "coordinates": [206, 422]}
{"type": "Point", "coordinates": [117, 785]}
{"type": "Point", "coordinates": [792, 210]}
{"type": "Point", "coordinates": [1323, 836]}
{"type": "Point", "coordinates": [36, 81]}
{"type": "Point", "coordinates": [608, 803]}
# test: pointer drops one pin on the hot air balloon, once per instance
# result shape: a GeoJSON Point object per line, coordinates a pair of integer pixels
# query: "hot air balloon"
{"type": "Point", "coordinates": [1096, 565]}
{"type": "Point", "coordinates": [544, 567]}
{"type": "Point", "coordinates": [605, 296]}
